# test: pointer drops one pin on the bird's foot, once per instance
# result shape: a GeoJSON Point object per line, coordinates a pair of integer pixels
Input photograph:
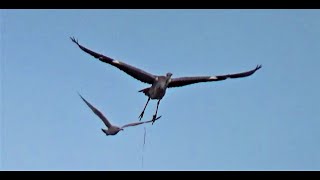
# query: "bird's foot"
{"type": "Point", "coordinates": [154, 118]}
{"type": "Point", "coordinates": [141, 115]}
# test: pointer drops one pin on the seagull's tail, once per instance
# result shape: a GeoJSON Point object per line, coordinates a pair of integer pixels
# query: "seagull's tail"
{"type": "Point", "coordinates": [145, 91]}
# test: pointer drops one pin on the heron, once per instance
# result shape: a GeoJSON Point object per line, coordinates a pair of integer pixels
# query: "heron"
{"type": "Point", "coordinates": [112, 129]}
{"type": "Point", "coordinates": [159, 83]}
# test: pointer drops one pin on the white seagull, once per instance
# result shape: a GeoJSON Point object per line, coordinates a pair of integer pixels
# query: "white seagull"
{"type": "Point", "coordinates": [112, 129]}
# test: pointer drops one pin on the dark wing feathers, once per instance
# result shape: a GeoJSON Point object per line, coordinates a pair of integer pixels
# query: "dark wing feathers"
{"type": "Point", "coordinates": [240, 75]}
{"type": "Point", "coordinates": [183, 81]}
{"type": "Point", "coordinates": [97, 112]}
{"type": "Point", "coordinates": [146, 77]}
{"type": "Point", "coordinates": [136, 73]}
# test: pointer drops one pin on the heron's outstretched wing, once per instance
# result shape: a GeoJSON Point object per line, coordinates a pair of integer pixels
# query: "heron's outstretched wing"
{"type": "Point", "coordinates": [183, 81]}
{"type": "Point", "coordinates": [138, 123]}
{"type": "Point", "coordinates": [97, 112]}
{"type": "Point", "coordinates": [134, 72]}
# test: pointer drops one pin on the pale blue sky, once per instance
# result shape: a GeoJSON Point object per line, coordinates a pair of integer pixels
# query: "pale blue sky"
{"type": "Point", "coordinates": [268, 121]}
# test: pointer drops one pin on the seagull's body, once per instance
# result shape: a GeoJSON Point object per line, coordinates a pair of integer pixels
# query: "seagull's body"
{"type": "Point", "coordinates": [112, 129]}
{"type": "Point", "coordinates": [159, 84]}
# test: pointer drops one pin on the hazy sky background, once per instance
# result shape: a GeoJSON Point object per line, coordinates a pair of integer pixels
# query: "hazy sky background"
{"type": "Point", "coordinates": [268, 121]}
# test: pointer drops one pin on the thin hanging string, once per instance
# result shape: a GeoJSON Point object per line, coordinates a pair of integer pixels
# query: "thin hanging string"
{"type": "Point", "coordinates": [144, 142]}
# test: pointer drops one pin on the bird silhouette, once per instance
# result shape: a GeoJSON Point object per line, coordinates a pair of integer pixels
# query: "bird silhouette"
{"type": "Point", "coordinates": [112, 129]}
{"type": "Point", "coordinates": [159, 84]}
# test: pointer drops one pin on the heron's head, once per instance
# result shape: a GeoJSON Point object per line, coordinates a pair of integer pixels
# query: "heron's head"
{"type": "Point", "coordinates": [120, 129]}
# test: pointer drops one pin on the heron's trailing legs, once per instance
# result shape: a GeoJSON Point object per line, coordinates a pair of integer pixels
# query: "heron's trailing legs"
{"type": "Point", "coordinates": [155, 115]}
{"type": "Point", "coordinates": [141, 115]}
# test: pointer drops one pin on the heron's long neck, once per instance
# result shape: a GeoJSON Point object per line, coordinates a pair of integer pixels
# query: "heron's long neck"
{"type": "Point", "coordinates": [168, 81]}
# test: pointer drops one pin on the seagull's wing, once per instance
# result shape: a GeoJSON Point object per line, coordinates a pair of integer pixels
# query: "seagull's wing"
{"type": "Point", "coordinates": [97, 112]}
{"type": "Point", "coordinates": [183, 81]}
{"type": "Point", "coordinates": [134, 72]}
{"type": "Point", "coordinates": [138, 123]}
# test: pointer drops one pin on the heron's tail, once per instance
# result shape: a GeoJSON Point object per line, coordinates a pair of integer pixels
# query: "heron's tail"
{"type": "Point", "coordinates": [145, 91]}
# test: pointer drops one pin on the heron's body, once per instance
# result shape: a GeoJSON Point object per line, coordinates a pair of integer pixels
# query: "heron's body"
{"type": "Point", "coordinates": [156, 92]}
{"type": "Point", "coordinates": [158, 88]}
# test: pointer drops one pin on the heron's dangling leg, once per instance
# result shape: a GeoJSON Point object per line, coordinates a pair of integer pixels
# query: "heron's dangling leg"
{"type": "Point", "coordinates": [141, 115]}
{"type": "Point", "coordinates": [155, 115]}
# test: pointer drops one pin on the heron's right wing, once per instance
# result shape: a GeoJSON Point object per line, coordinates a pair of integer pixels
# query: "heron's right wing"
{"type": "Point", "coordinates": [97, 112]}
{"type": "Point", "coordinates": [134, 72]}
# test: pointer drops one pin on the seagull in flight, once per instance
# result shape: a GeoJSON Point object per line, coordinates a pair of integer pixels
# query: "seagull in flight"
{"type": "Point", "coordinates": [112, 129]}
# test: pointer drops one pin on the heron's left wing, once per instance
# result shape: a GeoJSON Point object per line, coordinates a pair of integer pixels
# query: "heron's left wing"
{"type": "Point", "coordinates": [183, 81]}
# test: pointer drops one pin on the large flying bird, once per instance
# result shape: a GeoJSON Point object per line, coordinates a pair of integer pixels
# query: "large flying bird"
{"type": "Point", "coordinates": [159, 84]}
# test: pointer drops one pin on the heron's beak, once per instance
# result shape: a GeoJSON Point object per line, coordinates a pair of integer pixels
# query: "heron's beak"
{"type": "Point", "coordinates": [121, 129]}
